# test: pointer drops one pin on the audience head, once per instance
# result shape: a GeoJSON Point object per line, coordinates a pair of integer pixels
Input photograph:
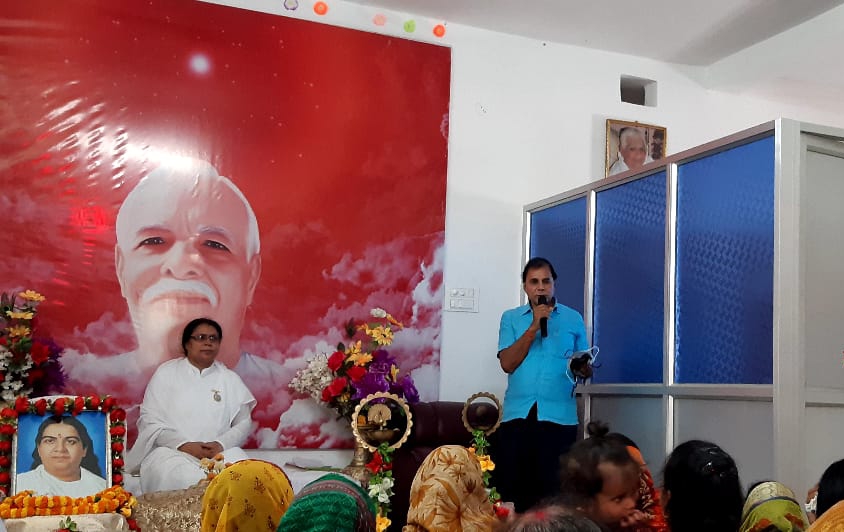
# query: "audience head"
{"type": "Point", "coordinates": [448, 493]}
{"type": "Point", "coordinates": [332, 503]}
{"type": "Point", "coordinates": [648, 499]}
{"type": "Point", "coordinates": [830, 487]}
{"type": "Point", "coordinates": [832, 520]}
{"type": "Point", "coordinates": [772, 507]}
{"type": "Point", "coordinates": [702, 489]}
{"type": "Point", "coordinates": [552, 518]}
{"type": "Point", "coordinates": [251, 495]}
{"type": "Point", "coordinates": [599, 477]}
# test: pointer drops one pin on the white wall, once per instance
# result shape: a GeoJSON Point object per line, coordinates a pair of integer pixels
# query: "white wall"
{"type": "Point", "coordinates": [527, 121]}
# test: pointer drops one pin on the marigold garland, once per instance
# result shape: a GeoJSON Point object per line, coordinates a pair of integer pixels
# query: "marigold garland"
{"type": "Point", "coordinates": [61, 406]}
{"type": "Point", "coordinates": [111, 500]}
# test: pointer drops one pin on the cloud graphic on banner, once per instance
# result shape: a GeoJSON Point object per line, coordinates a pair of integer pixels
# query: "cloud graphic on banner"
{"type": "Point", "coordinates": [416, 347]}
{"type": "Point", "coordinates": [306, 424]}
{"type": "Point", "coordinates": [379, 266]}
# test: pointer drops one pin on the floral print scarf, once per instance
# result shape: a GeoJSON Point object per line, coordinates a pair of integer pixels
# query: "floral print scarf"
{"type": "Point", "coordinates": [448, 495]}
{"type": "Point", "coordinates": [247, 496]}
{"type": "Point", "coordinates": [772, 506]}
{"type": "Point", "coordinates": [648, 501]}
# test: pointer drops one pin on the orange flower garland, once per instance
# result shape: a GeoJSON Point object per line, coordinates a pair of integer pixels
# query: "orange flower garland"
{"type": "Point", "coordinates": [111, 500]}
{"type": "Point", "coordinates": [61, 406]}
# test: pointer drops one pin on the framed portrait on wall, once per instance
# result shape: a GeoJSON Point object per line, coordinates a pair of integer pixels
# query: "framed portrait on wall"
{"type": "Point", "coordinates": [631, 145]}
{"type": "Point", "coordinates": [65, 446]}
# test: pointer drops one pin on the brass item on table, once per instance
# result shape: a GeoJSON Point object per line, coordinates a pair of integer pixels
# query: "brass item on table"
{"type": "Point", "coordinates": [380, 424]}
{"type": "Point", "coordinates": [374, 423]}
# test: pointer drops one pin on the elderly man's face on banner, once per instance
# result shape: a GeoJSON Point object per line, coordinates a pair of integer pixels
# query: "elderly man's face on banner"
{"type": "Point", "coordinates": [185, 250]}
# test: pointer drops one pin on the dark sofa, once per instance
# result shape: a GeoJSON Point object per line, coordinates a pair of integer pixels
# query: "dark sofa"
{"type": "Point", "coordinates": [434, 424]}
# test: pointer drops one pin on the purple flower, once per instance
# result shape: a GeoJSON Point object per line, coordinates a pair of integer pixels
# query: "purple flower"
{"type": "Point", "coordinates": [370, 383]}
{"type": "Point", "coordinates": [381, 362]}
{"type": "Point", "coordinates": [409, 389]}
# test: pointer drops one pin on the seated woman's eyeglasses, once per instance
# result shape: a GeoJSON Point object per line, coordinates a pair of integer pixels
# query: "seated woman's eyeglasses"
{"type": "Point", "coordinates": [213, 338]}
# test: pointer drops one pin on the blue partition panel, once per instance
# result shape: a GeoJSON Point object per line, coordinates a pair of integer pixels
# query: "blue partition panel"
{"type": "Point", "coordinates": [628, 306]}
{"type": "Point", "coordinates": [558, 233]}
{"type": "Point", "coordinates": [725, 267]}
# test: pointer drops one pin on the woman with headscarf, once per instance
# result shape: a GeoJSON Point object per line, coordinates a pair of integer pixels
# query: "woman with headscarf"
{"type": "Point", "coordinates": [448, 494]}
{"type": "Point", "coordinates": [832, 520]}
{"type": "Point", "coordinates": [771, 506]}
{"type": "Point", "coordinates": [248, 496]}
{"type": "Point", "coordinates": [331, 503]}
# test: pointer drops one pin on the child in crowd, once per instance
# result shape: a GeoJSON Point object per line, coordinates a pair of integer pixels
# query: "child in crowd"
{"type": "Point", "coordinates": [600, 479]}
{"type": "Point", "coordinates": [648, 500]}
{"type": "Point", "coordinates": [701, 489]}
{"type": "Point", "coordinates": [552, 518]}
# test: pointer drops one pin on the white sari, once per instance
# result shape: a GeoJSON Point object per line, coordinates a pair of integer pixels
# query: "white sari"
{"type": "Point", "coordinates": [182, 404]}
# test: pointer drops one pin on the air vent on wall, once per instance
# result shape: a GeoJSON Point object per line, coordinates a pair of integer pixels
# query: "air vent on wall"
{"type": "Point", "coordinates": [638, 91]}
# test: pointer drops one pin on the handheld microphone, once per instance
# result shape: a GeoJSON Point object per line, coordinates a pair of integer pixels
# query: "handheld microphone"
{"type": "Point", "coordinates": [543, 322]}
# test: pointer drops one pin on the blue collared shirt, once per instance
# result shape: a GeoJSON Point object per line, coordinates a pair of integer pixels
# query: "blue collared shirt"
{"type": "Point", "coordinates": [543, 377]}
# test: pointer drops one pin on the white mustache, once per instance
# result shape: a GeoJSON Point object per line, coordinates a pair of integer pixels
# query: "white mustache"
{"type": "Point", "coordinates": [167, 286]}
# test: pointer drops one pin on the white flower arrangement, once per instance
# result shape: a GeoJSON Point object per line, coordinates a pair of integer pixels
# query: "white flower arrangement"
{"type": "Point", "coordinates": [313, 378]}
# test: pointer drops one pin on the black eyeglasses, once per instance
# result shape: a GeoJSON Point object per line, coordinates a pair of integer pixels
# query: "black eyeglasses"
{"type": "Point", "coordinates": [213, 338]}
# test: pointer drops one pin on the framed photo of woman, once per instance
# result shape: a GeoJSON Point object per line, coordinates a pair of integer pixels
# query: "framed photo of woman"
{"type": "Point", "coordinates": [631, 145]}
{"type": "Point", "coordinates": [62, 453]}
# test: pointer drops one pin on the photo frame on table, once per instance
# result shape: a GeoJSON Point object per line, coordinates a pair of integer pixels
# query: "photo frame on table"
{"type": "Point", "coordinates": [655, 140]}
{"type": "Point", "coordinates": [43, 438]}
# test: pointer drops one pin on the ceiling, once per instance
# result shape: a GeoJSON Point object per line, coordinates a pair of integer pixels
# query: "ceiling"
{"type": "Point", "coordinates": [675, 31]}
{"type": "Point", "coordinates": [788, 37]}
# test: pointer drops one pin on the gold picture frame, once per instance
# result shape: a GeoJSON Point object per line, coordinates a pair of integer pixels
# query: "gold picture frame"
{"type": "Point", "coordinates": [655, 143]}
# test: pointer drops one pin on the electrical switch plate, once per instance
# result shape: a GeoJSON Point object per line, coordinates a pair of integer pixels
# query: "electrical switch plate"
{"type": "Point", "coordinates": [461, 300]}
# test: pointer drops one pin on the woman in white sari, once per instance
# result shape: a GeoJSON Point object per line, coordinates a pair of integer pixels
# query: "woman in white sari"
{"type": "Point", "coordinates": [194, 408]}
